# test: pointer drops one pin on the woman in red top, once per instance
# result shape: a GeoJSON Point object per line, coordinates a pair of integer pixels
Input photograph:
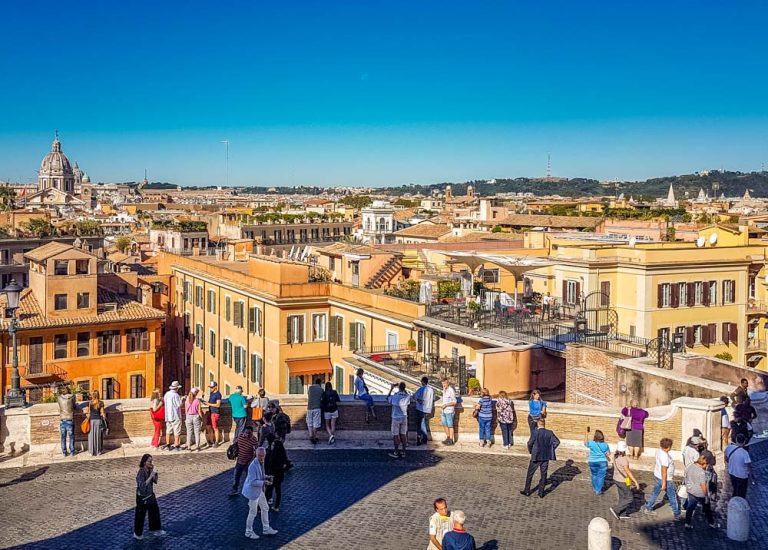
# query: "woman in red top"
{"type": "Point", "coordinates": [157, 411]}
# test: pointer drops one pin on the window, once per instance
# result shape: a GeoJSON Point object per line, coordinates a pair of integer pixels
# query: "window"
{"type": "Point", "coordinates": [81, 267]}
{"type": "Point", "coordinates": [83, 344]}
{"type": "Point", "coordinates": [257, 369]}
{"type": "Point", "coordinates": [752, 286]}
{"type": "Point", "coordinates": [663, 333]}
{"type": "Point", "coordinates": [199, 374]}
{"type": "Point", "coordinates": [228, 308]}
{"type": "Point", "coordinates": [698, 335]}
{"type": "Point", "coordinates": [212, 342]}
{"type": "Point", "coordinates": [339, 379]}
{"type": "Point", "coordinates": [254, 320]}
{"type": "Point", "coordinates": [295, 329]}
{"type": "Point", "coordinates": [60, 346]}
{"type": "Point", "coordinates": [60, 302]}
{"type": "Point", "coordinates": [199, 336]}
{"type": "Point", "coordinates": [186, 296]}
{"type": "Point", "coordinates": [356, 336]}
{"type": "Point", "coordinates": [332, 263]}
{"type": "Point", "coordinates": [137, 339]}
{"type": "Point", "coordinates": [137, 386]}
{"type": "Point", "coordinates": [108, 342]}
{"type": "Point", "coordinates": [240, 360]}
{"type": "Point", "coordinates": [198, 296]}
{"type": "Point", "coordinates": [729, 292]}
{"type": "Point", "coordinates": [490, 275]}
{"type": "Point", "coordinates": [665, 295]}
{"type": "Point", "coordinates": [83, 389]}
{"type": "Point", "coordinates": [337, 330]}
{"type": "Point", "coordinates": [211, 302]}
{"type": "Point", "coordinates": [730, 333]}
{"type": "Point", "coordinates": [319, 322]}
{"type": "Point", "coordinates": [682, 289]}
{"type": "Point", "coordinates": [296, 384]}
{"type": "Point", "coordinates": [61, 267]}
{"type": "Point", "coordinates": [227, 390]}
{"type": "Point", "coordinates": [239, 314]}
{"type": "Point", "coordinates": [83, 300]}
{"type": "Point", "coordinates": [109, 388]}
{"type": "Point", "coordinates": [605, 293]}
{"type": "Point", "coordinates": [571, 292]}
{"type": "Point", "coordinates": [712, 293]}
{"type": "Point", "coordinates": [227, 353]}
{"type": "Point", "coordinates": [698, 293]}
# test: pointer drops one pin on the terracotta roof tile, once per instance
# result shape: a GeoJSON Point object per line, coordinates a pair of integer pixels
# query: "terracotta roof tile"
{"type": "Point", "coordinates": [47, 250]}
{"type": "Point", "coordinates": [425, 230]}
{"type": "Point", "coordinates": [31, 315]}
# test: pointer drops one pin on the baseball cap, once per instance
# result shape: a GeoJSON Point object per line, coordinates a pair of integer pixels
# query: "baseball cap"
{"type": "Point", "coordinates": [212, 384]}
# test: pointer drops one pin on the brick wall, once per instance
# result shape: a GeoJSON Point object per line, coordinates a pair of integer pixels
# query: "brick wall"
{"type": "Point", "coordinates": [589, 375]}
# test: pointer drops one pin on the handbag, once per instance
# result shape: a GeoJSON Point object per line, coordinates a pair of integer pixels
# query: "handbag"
{"type": "Point", "coordinates": [475, 413]}
{"type": "Point", "coordinates": [85, 425]}
{"type": "Point", "coordinates": [257, 413]}
{"type": "Point", "coordinates": [626, 423]}
{"type": "Point", "coordinates": [682, 491]}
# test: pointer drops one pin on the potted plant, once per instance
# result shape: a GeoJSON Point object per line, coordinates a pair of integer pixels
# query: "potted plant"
{"type": "Point", "coordinates": [473, 385]}
{"type": "Point", "coordinates": [411, 345]}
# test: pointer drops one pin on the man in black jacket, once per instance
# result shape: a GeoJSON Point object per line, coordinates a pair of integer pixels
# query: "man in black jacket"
{"type": "Point", "coordinates": [541, 445]}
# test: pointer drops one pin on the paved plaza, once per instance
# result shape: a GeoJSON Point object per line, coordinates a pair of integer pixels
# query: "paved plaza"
{"type": "Point", "coordinates": [340, 499]}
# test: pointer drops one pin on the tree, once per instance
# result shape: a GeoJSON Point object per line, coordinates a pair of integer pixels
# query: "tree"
{"type": "Point", "coordinates": [7, 198]}
{"type": "Point", "coordinates": [123, 243]}
{"type": "Point", "coordinates": [88, 228]}
{"type": "Point", "coordinates": [357, 201]}
{"type": "Point", "coordinates": [38, 228]}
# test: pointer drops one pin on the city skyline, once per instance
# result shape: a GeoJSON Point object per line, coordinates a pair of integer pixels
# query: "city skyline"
{"type": "Point", "coordinates": [366, 95]}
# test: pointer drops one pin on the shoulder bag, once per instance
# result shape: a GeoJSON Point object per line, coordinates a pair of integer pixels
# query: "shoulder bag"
{"type": "Point", "coordinates": [85, 425]}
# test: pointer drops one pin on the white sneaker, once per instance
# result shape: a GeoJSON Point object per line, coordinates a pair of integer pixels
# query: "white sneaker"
{"type": "Point", "coordinates": [251, 535]}
{"type": "Point", "coordinates": [138, 537]}
{"type": "Point", "coordinates": [269, 531]}
{"type": "Point", "coordinates": [159, 533]}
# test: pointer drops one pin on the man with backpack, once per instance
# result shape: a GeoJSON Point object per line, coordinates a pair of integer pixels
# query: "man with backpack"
{"type": "Point", "coordinates": [246, 450]}
{"type": "Point", "coordinates": [282, 424]}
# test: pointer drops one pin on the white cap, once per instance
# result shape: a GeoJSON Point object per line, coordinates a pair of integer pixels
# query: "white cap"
{"type": "Point", "coordinates": [622, 447]}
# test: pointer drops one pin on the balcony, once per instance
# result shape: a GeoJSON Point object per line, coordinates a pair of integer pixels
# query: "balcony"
{"type": "Point", "coordinates": [755, 345]}
{"type": "Point", "coordinates": [37, 372]}
{"type": "Point", "coordinates": [411, 364]}
{"type": "Point", "coordinates": [757, 308]}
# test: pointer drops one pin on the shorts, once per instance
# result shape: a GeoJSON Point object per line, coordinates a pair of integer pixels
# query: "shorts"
{"type": "Point", "coordinates": [173, 426]}
{"type": "Point", "coordinates": [399, 427]}
{"type": "Point", "coordinates": [446, 419]}
{"type": "Point", "coordinates": [313, 418]}
{"type": "Point", "coordinates": [214, 418]}
{"type": "Point", "coordinates": [334, 414]}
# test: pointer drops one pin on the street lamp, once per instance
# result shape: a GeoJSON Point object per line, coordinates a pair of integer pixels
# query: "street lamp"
{"type": "Point", "coordinates": [677, 340]}
{"type": "Point", "coordinates": [15, 397]}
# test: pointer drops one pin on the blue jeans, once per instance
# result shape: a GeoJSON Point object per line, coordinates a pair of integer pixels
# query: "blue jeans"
{"type": "Point", "coordinates": [485, 428]}
{"type": "Point", "coordinates": [239, 426]}
{"type": "Point", "coordinates": [421, 423]}
{"type": "Point", "coordinates": [598, 470]}
{"type": "Point", "coordinates": [506, 433]}
{"type": "Point", "coordinates": [671, 496]}
{"type": "Point", "coordinates": [67, 428]}
{"type": "Point", "coordinates": [367, 398]}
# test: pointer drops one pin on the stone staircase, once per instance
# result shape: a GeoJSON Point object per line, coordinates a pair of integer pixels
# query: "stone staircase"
{"type": "Point", "coordinates": [386, 272]}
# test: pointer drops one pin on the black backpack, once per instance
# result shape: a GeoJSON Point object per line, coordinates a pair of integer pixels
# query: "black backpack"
{"type": "Point", "coordinates": [232, 451]}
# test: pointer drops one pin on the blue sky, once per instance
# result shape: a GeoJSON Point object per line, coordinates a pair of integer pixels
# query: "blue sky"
{"type": "Point", "coordinates": [383, 92]}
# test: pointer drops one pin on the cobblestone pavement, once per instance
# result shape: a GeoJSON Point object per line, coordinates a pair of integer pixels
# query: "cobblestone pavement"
{"type": "Point", "coordinates": [340, 499]}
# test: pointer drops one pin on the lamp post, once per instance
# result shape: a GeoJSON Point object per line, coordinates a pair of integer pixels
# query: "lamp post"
{"type": "Point", "coordinates": [677, 340]}
{"type": "Point", "coordinates": [15, 397]}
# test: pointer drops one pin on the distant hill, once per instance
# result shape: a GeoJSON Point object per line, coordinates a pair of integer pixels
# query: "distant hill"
{"type": "Point", "coordinates": [732, 184]}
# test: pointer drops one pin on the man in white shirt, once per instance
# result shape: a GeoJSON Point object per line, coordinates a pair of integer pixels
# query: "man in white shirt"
{"type": "Point", "coordinates": [449, 409]}
{"type": "Point", "coordinates": [664, 472]}
{"type": "Point", "coordinates": [439, 524]}
{"type": "Point", "coordinates": [172, 406]}
{"type": "Point", "coordinates": [399, 402]}
{"type": "Point", "coordinates": [739, 465]}
{"type": "Point", "coordinates": [546, 310]}
{"type": "Point", "coordinates": [253, 490]}
{"type": "Point", "coordinates": [424, 398]}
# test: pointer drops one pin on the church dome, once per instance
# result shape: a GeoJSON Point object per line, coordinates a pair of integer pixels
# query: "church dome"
{"type": "Point", "coordinates": [86, 178]}
{"type": "Point", "coordinates": [56, 163]}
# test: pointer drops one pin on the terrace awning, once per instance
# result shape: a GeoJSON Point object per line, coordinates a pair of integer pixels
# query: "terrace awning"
{"type": "Point", "coordinates": [516, 265]}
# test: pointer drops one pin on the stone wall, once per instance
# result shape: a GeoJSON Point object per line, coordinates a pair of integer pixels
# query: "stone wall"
{"type": "Point", "coordinates": [597, 377]}
{"type": "Point", "coordinates": [129, 421]}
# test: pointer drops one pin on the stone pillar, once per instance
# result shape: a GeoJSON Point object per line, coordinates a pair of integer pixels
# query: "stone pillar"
{"type": "Point", "coordinates": [599, 535]}
{"type": "Point", "coordinates": [738, 519]}
{"type": "Point", "coordinates": [703, 414]}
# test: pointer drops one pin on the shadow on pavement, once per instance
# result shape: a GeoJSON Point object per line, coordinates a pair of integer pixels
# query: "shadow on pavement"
{"type": "Point", "coordinates": [202, 516]}
{"type": "Point", "coordinates": [27, 476]}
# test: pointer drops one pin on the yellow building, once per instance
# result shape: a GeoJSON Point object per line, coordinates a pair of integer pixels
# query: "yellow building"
{"type": "Point", "coordinates": [267, 322]}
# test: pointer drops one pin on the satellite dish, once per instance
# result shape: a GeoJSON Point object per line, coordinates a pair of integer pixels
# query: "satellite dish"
{"type": "Point", "coordinates": [632, 242]}
{"type": "Point", "coordinates": [713, 239]}
{"type": "Point", "coordinates": [700, 242]}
